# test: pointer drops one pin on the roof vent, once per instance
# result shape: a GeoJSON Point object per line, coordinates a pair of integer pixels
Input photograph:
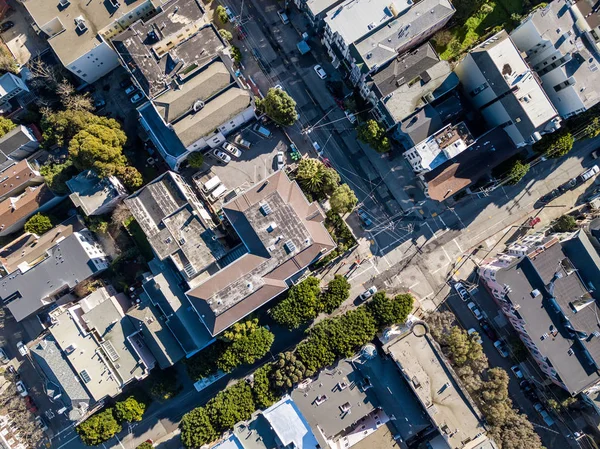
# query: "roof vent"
{"type": "Point", "coordinates": [272, 227]}
{"type": "Point", "coordinates": [63, 3]}
{"type": "Point", "coordinates": [535, 293]}
{"type": "Point", "coordinates": [114, 3]}
{"type": "Point", "coordinates": [320, 399]}
{"type": "Point", "coordinates": [290, 247]}
{"type": "Point", "coordinates": [80, 22]}
{"type": "Point", "coordinates": [346, 407]}
{"type": "Point", "coordinates": [69, 349]}
{"type": "Point", "coordinates": [570, 352]}
{"type": "Point", "coordinates": [198, 105]}
{"type": "Point", "coordinates": [342, 385]}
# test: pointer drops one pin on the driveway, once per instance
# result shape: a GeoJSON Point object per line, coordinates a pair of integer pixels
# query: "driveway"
{"type": "Point", "coordinates": [22, 41]}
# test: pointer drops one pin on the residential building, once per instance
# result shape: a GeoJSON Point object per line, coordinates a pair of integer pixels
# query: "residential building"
{"type": "Point", "coordinates": [411, 28]}
{"type": "Point", "coordinates": [42, 270]}
{"type": "Point", "coordinates": [14, 211]}
{"type": "Point", "coordinates": [559, 51]}
{"type": "Point", "coordinates": [9, 434]}
{"type": "Point", "coordinates": [79, 31]}
{"type": "Point", "coordinates": [195, 101]}
{"type": "Point", "coordinates": [17, 177]}
{"type": "Point", "coordinates": [548, 291]}
{"type": "Point", "coordinates": [448, 405]}
{"type": "Point", "coordinates": [177, 225]}
{"type": "Point", "coordinates": [61, 384]}
{"type": "Point", "coordinates": [17, 144]}
{"type": "Point", "coordinates": [508, 94]}
{"type": "Point", "coordinates": [11, 86]}
{"type": "Point", "coordinates": [439, 147]}
{"type": "Point", "coordinates": [316, 10]}
{"type": "Point", "coordinates": [588, 21]}
{"type": "Point", "coordinates": [101, 343]}
{"type": "Point", "coordinates": [95, 196]}
{"type": "Point", "coordinates": [282, 234]}
{"type": "Point", "coordinates": [353, 20]}
{"type": "Point", "coordinates": [411, 81]}
{"type": "Point", "coordinates": [289, 425]}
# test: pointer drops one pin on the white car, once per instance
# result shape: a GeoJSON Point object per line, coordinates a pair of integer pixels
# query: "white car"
{"type": "Point", "coordinates": [232, 149]}
{"type": "Point", "coordinates": [517, 371]}
{"type": "Point", "coordinates": [3, 357]}
{"type": "Point", "coordinates": [462, 291]}
{"type": "Point", "coordinates": [22, 348]}
{"type": "Point", "coordinates": [136, 98]}
{"type": "Point", "coordinates": [544, 414]}
{"type": "Point", "coordinates": [222, 156]}
{"type": "Point", "coordinates": [280, 160]}
{"type": "Point", "coordinates": [370, 292]}
{"type": "Point", "coordinates": [320, 72]}
{"type": "Point", "coordinates": [21, 388]}
{"type": "Point", "coordinates": [40, 422]}
{"type": "Point", "coordinates": [475, 311]}
{"type": "Point", "coordinates": [230, 14]}
{"type": "Point", "coordinates": [475, 335]}
{"type": "Point", "coordinates": [501, 348]}
{"type": "Point", "coordinates": [350, 116]}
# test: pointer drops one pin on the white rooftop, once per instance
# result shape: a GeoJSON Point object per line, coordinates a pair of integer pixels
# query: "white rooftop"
{"type": "Point", "coordinates": [445, 144]}
{"type": "Point", "coordinates": [289, 425]}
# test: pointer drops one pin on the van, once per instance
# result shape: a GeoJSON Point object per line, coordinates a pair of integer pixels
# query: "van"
{"type": "Point", "coordinates": [589, 173]}
{"type": "Point", "coordinates": [211, 184]}
{"type": "Point", "coordinates": [217, 193]}
{"type": "Point", "coordinates": [242, 142]}
{"type": "Point", "coordinates": [262, 131]}
{"type": "Point", "coordinates": [283, 16]}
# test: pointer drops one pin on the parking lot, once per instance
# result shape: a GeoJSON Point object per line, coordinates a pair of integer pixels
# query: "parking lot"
{"type": "Point", "coordinates": [21, 39]}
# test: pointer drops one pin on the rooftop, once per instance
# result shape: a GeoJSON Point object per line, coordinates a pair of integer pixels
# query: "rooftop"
{"type": "Point", "coordinates": [67, 41]}
{"type": "Point", "coordinates": [381, 46]}
{"type": "Point", "coordinates": [91, 193]}
{"type": "Point", "coordinates": [9, 82]}
{"type": "Point", "coordinates": [589, 9]}
{"type": "Point", "coordinates": [17, 208]}
{"type": "Point", "coordinates": [354, 19]}
{"type": "Point", "coordinates": [16, 176]}
{"type": "Point", "coordinates": [63, 265]}
{"type": "Point", "coordinates": [15, 139]}
{"type": "Point", "coordinates": [443, 145]}
{"type": "Point", "coordinates": [282, 232]}
{"type": "Point", "coordinates": [317, 7]}
{"type": "Point", "coordinates": [430, 378]}
{"type": "Point", "coordinates": [289, 425]}
{"type": "Point", "coordinates": [561, 316]}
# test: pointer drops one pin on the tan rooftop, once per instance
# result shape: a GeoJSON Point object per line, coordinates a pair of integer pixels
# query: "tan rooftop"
{"type": "Point", "coordinates": [16, 208]}
{"type": "Point", "coordinates": [15, 176]}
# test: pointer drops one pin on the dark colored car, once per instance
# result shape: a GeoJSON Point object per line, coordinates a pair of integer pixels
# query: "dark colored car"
{"type": "Point", "coordinates": [30, 405]}
{"type": "Point", "coordinates": [550, 196]}
{"type": "Point", "coordinates": [99, 103]}
{"type": "Point", "coordinates": [489, 330]}
{"type": "Point", "coordinates": [125, 83]}
{"type": "Point", "coordinates": [6, 26]}
{"type": "Point", "coordinates": [528, 390]}
{"type": "Point", "coordinates": [568, 185]}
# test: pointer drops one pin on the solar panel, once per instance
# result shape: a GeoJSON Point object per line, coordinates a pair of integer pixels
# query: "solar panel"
{"type": "Point", "coordinates": [289, 246]}
{"type": "Point", "coordinates": [85, 376]}
{"type": "Point", "coordinates": [266, 209]}
{"type": "Point", "coordinates": [110, 351]}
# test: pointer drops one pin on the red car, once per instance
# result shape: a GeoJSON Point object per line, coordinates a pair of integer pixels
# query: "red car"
{"type": "Point", "coordinates": [30, 404]}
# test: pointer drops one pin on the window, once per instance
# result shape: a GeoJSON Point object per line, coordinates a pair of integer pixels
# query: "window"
{"type": "Point", "coordinates": [478, 89]}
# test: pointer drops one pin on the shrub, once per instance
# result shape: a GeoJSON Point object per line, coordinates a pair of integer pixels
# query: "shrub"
{"type": "Point", "coordinates": [518, 172]}
{"type": "Point", "coordinates": [38, 224]}
{"type": "Point", "coordinates": [196, 159]}
{"type": "Point", "coordinates": [565, 223]}
{"type": "Point", "coordinates": [226, 35]}
{"type": "Point", "coordinates": [99, 428]}
{"type": "Point", "coordinates": [236, 54]}
{"type": "Point", "coordinates": [145, 445]}
{"type": "Point", "coordinates": [129, 410]}
{"type": "Point", "coordinates": [221, 14]}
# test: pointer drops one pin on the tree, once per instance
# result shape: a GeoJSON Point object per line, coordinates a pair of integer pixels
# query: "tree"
{"type": "Point", "coordinates": [96, 224]}
{"type": "Point", "coordinates": [310, 174]}
{"type": "Point", "coordinates": [388, 311]}
{"type": "Point", "coordinates": [440, 325]}
{"type": "Point", "coordinates": [230, 406]}
{"type": "Point", "coordinates": [316, 352]}
{"type": "Point", "coordinates": [516, 433]}
{"type": "Point", "coordinates": [145, 445]}
{"type": "Point", "coordinates": [226, 35]}
{"type": "Point", "coordinates": [6, 125]}
{"type": "Point", "coordinates": [221, 14]}
{"type": "Point", "coordinates": [60, 127]}
{"type": "Point", "coordinates": [236, 54]}
{"type": "Point", "coordinates": [99, 428]}
{"type": "Point", "coordinates": [196, 429]}
{"type": "Point", "coordinates": [279, 107]}
{"type": "Point", "coordinates": [338, 290]}
{"type": "Point", "coordinates": [100, 148]}
{"type": "Point", "coordinates": [57, 175]}
{"type": "Point", "coordinates": [555, 145]}
{"type": "Point", "coordinates": [44, 76]}
{"type": "Point", "coordinates": [343, 199]}
{"type": "Point", "coordinates": [7, 62]}
{"type": "Point", "coordinates": [518, 172]}
{"type": "Point", "coordinates": [373, 134]}
{"type": "Point", "coordinates": [301, 304]}
{"type": "Point", "coordinates": [196, 159]}
{"type": "Point", "coordinates": [288, 371]}
{"type": "Point", "coordinates": [470, 379]}
{"type": "Point", "coordinates": [164, 385]}
{"type": "Point", "coordinates": [78, 102]}
{"type": "Point", "coordinates": [593, 129]}
{"type": "Point", "coordinates": [565, 223]}
{"type": "Point", "coordinates": [248, 343]}
{"type": "Point", "coordinates": [461, 348]}
{"type": "Point", "coordinates": [129, 410]}
{"type": "Point", "coordinates": [130, 176]}
{"type": "Point", "coordinates": [330, 180]}
{"type": "Point", "coordinates": [38, 224]}
{"type": "Point", "coordinates": [263, 393]}
{"type": "Point", "coordinates": [204, 363]}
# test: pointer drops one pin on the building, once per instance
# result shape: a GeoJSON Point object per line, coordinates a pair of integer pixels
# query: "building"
{"type": "Point", "coordinates": [352, 20]}
{"type": "Point", "coordinates": [316, 10]}
{"type": "Point", "coordinates": [14, 211]}
{"type": "Point", "coordinates": [548, 290]}
{"type": "Point", "coordinates": [17, 144]}
{"type": "Point", "coordinates": [11, 86]}
{"type": "Point", "coordinates": [79, 30]}
{"type": "Point", "coordinates": [562, 55]}
{"type": "Point", "coordinates": [588, 21]}
{"type": "Point", "coordinates": [101, 343]}
{"type": "Point", "coordinates": [9, 434]}
{"type": "Point", "coordinates": [177, 225]}
{"type": "Point", "coordinates": [93, 195]}
{"type": "Point", "coordinates": [43, 269]}
{"type": "Point", "coordinates": [503, 88]}
{"type": "Point", "coordinates": [282, 234]}
{"type": "Point", "coordinates": [17, 177]}
{"type": "Point", "coordinates": [459, 422]}
{"type": "Point", "coordinates": [411, 28]}
{"type": "Point", "coordinates": [439, 147]}
{"type": "Point", "coordinates": [182, 64]}
{"type": "Point", "coordinates": [289, 426]}
{"type": "Point", "coordinates": [410, 82]}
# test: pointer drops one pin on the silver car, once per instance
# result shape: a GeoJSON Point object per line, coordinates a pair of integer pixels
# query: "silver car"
{"type": "Point", "coordinates": [320, 72]}
{"type": "Point", "coordinates": [232, 149]}
{"type": "Point", "coordinates": [222, 156]}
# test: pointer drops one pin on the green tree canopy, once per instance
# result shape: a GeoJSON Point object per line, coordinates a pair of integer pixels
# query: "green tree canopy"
{"type": "Point", "coordinates": [60, 127]}
{"type": "Point", "coordinates": [99, 428]}
{"type": "Point", "coordinates": [100, 148]}
{"type": "Point", "coordinates": [301, 304]}
{"type": "Point", "coordinates": [196, 159]}
{"type": "Point", "coordinates": [221, 14]}
{"type": "Point", "coordinates": [145, 445]}
{"type": "Point", "coordinates": [338, 290]}
{"type": "Point", "coordinates": [6, 125]}
{"type": "Point", "coordinates": [38, 224]}
{"type": "Point", "coordinates": [461, 348]}
{"type": "Point", "coordinates": [343, 199]}
{"type": "Point", "coordinates": [373, 134]}
{"type": "Point", "coordinates": [226, 34]}
{"type": "Point", "coordinates": [130, 176]}
{"type": "Point", "coordinates": [330, 180]}
{"type": "Point", "coordinates": [387, 311]}
{"type": "Point", "coordinates": [231, 406]}
{"type": "Point", "coordinates": [248, 342]}
{"type": "Point", "coordinates": [279, 107]}
{"type": "Point", "coordinates": [197, 429]}
{"type": "Point", "coordinates": [288, 371]}
{"type": "Point", "coordinates": [129, 410]}
{"type": "Point", "coordinates": [310, 174]}
{"type": "Point", "coordinates": [263, 393]}
{"type": "Point", "coordinates": [518, 172]}
{"type": "Point", "coordinates": [556, 144]}
{"type": "Point", "coordinates": [565, 223]}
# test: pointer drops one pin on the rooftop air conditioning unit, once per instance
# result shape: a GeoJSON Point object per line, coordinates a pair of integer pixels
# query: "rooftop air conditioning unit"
{"type": "Point", "coordinates": [115, 3]}
{"type": "Point", "coordinates": [198, 105]}
{"type": "Point", "coordinates": [64, 3]}
{"type": "Point", "coordinates": [80, 22]}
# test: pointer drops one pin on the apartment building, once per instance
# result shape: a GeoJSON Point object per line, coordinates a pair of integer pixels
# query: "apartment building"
{"type": "Point", "coordinates": [94, 195]}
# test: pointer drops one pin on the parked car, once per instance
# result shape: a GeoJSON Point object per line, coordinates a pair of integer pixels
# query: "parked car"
{"type": "Point", "coordinates": [555, 193]}
{"type": "Point", "coordinates": [367, 294]}
{"type": "Point", "coordinates": [568, 185]}
{"type": "Point", "coordinates": [136, 98]}
{"type": "Point", "coordinates": [3, 357]}
{"type": "Point", "coordinates": [528, 390]}
{"type": "Point", "coordinates": [350, 116]}
{"type": "Point", "coordinates": [99, 103]}
{"type": "Point", "coordinates": [230, 14]}
{"type": "Point", "coordinates": [232, 149]}
{"type": "Point", "coordinates": [222, 156]}
{"type": "Point", "coordinates": [589, 173]}
{"type": "Point", "coordinates": [489, 330]}
{"type": "Point", "coordinates": [21, 388]}
{"type": "Point", "coordinates": [320, 72]}
{"type": "Point", "coordinates": [283, 16]}
{"type": "Point", "coordinates": [475, 335]}
{"type": "Point", "coordinates": [501, 348]}
{"type": "Point", "coordinates": [462, 291]}
{"type": "Point", "coordinates": [6, 26]}
{"type": "Point", "coordinates": [125, 83]}
{"type": "Point", "coordinates": [517, 371]}
{"type": "Point", "coordinates": [30, 405]}
{"type": "Point", "coordinates": [262, 130]}
{"type": "Point", "coordinates": [596, 154]}
{"type": "Point", "coordinates": [242, 142]}
{"type": "Point", "coordinates": [23, 350]}
{"type": "Point", "coordinates": [544, 414]}
{"type": "Point", "coordinates": [131, 89]}
{"type": "Point", "coordinates": [475, 310]}
{"type": "Point", "coordinates": [41, 424]}
{"type": "Point", "coordinates": [280, 160]}
{"type": "Point", "coordinates": [364, 217]}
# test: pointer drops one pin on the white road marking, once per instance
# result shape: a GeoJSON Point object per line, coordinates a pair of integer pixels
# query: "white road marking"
{"type": "Point", "coordinates": [459, 248]}
{"type": "Point", "coordinates": [433, 236]}
{"type": "Point", "coordinates": [67, 442]}
{"type": "Point", "coordinates": [373, 265]}
{"type": "Point", "coordinates": [119, 442]}
{"type": "Point", "coordinates": [445, 225]}
{"type": "Point", "coordinates": [414, 285]}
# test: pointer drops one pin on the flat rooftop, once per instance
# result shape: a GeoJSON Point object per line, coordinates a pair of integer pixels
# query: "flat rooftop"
{"type": "Point", "coordinates": [70, 43]}
{"type": "Point", "coordinates": [354, 19]}
{"type": "Point", "coordinates": [289, 425]}
{"type": "Point", "coordinates": [317, 7]}
{"type": "Point", "coordinates": [381, 46]}
{"type": "Point", "coordinates": [90, 192]}
{"type": "Point", "coordinates": [445, 402]}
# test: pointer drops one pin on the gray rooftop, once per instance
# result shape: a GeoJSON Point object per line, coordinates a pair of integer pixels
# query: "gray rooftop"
{"type": "Point", "coordinates": [383, 45]}
{"type": "Point", "coordinates": [91, 193]}
{"type": "Point", "coordinates": [65, 264]}
{"type": "Point", "coordinates": [552, 311]}
{"type": "Point", "coordinates": [15, 139]}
